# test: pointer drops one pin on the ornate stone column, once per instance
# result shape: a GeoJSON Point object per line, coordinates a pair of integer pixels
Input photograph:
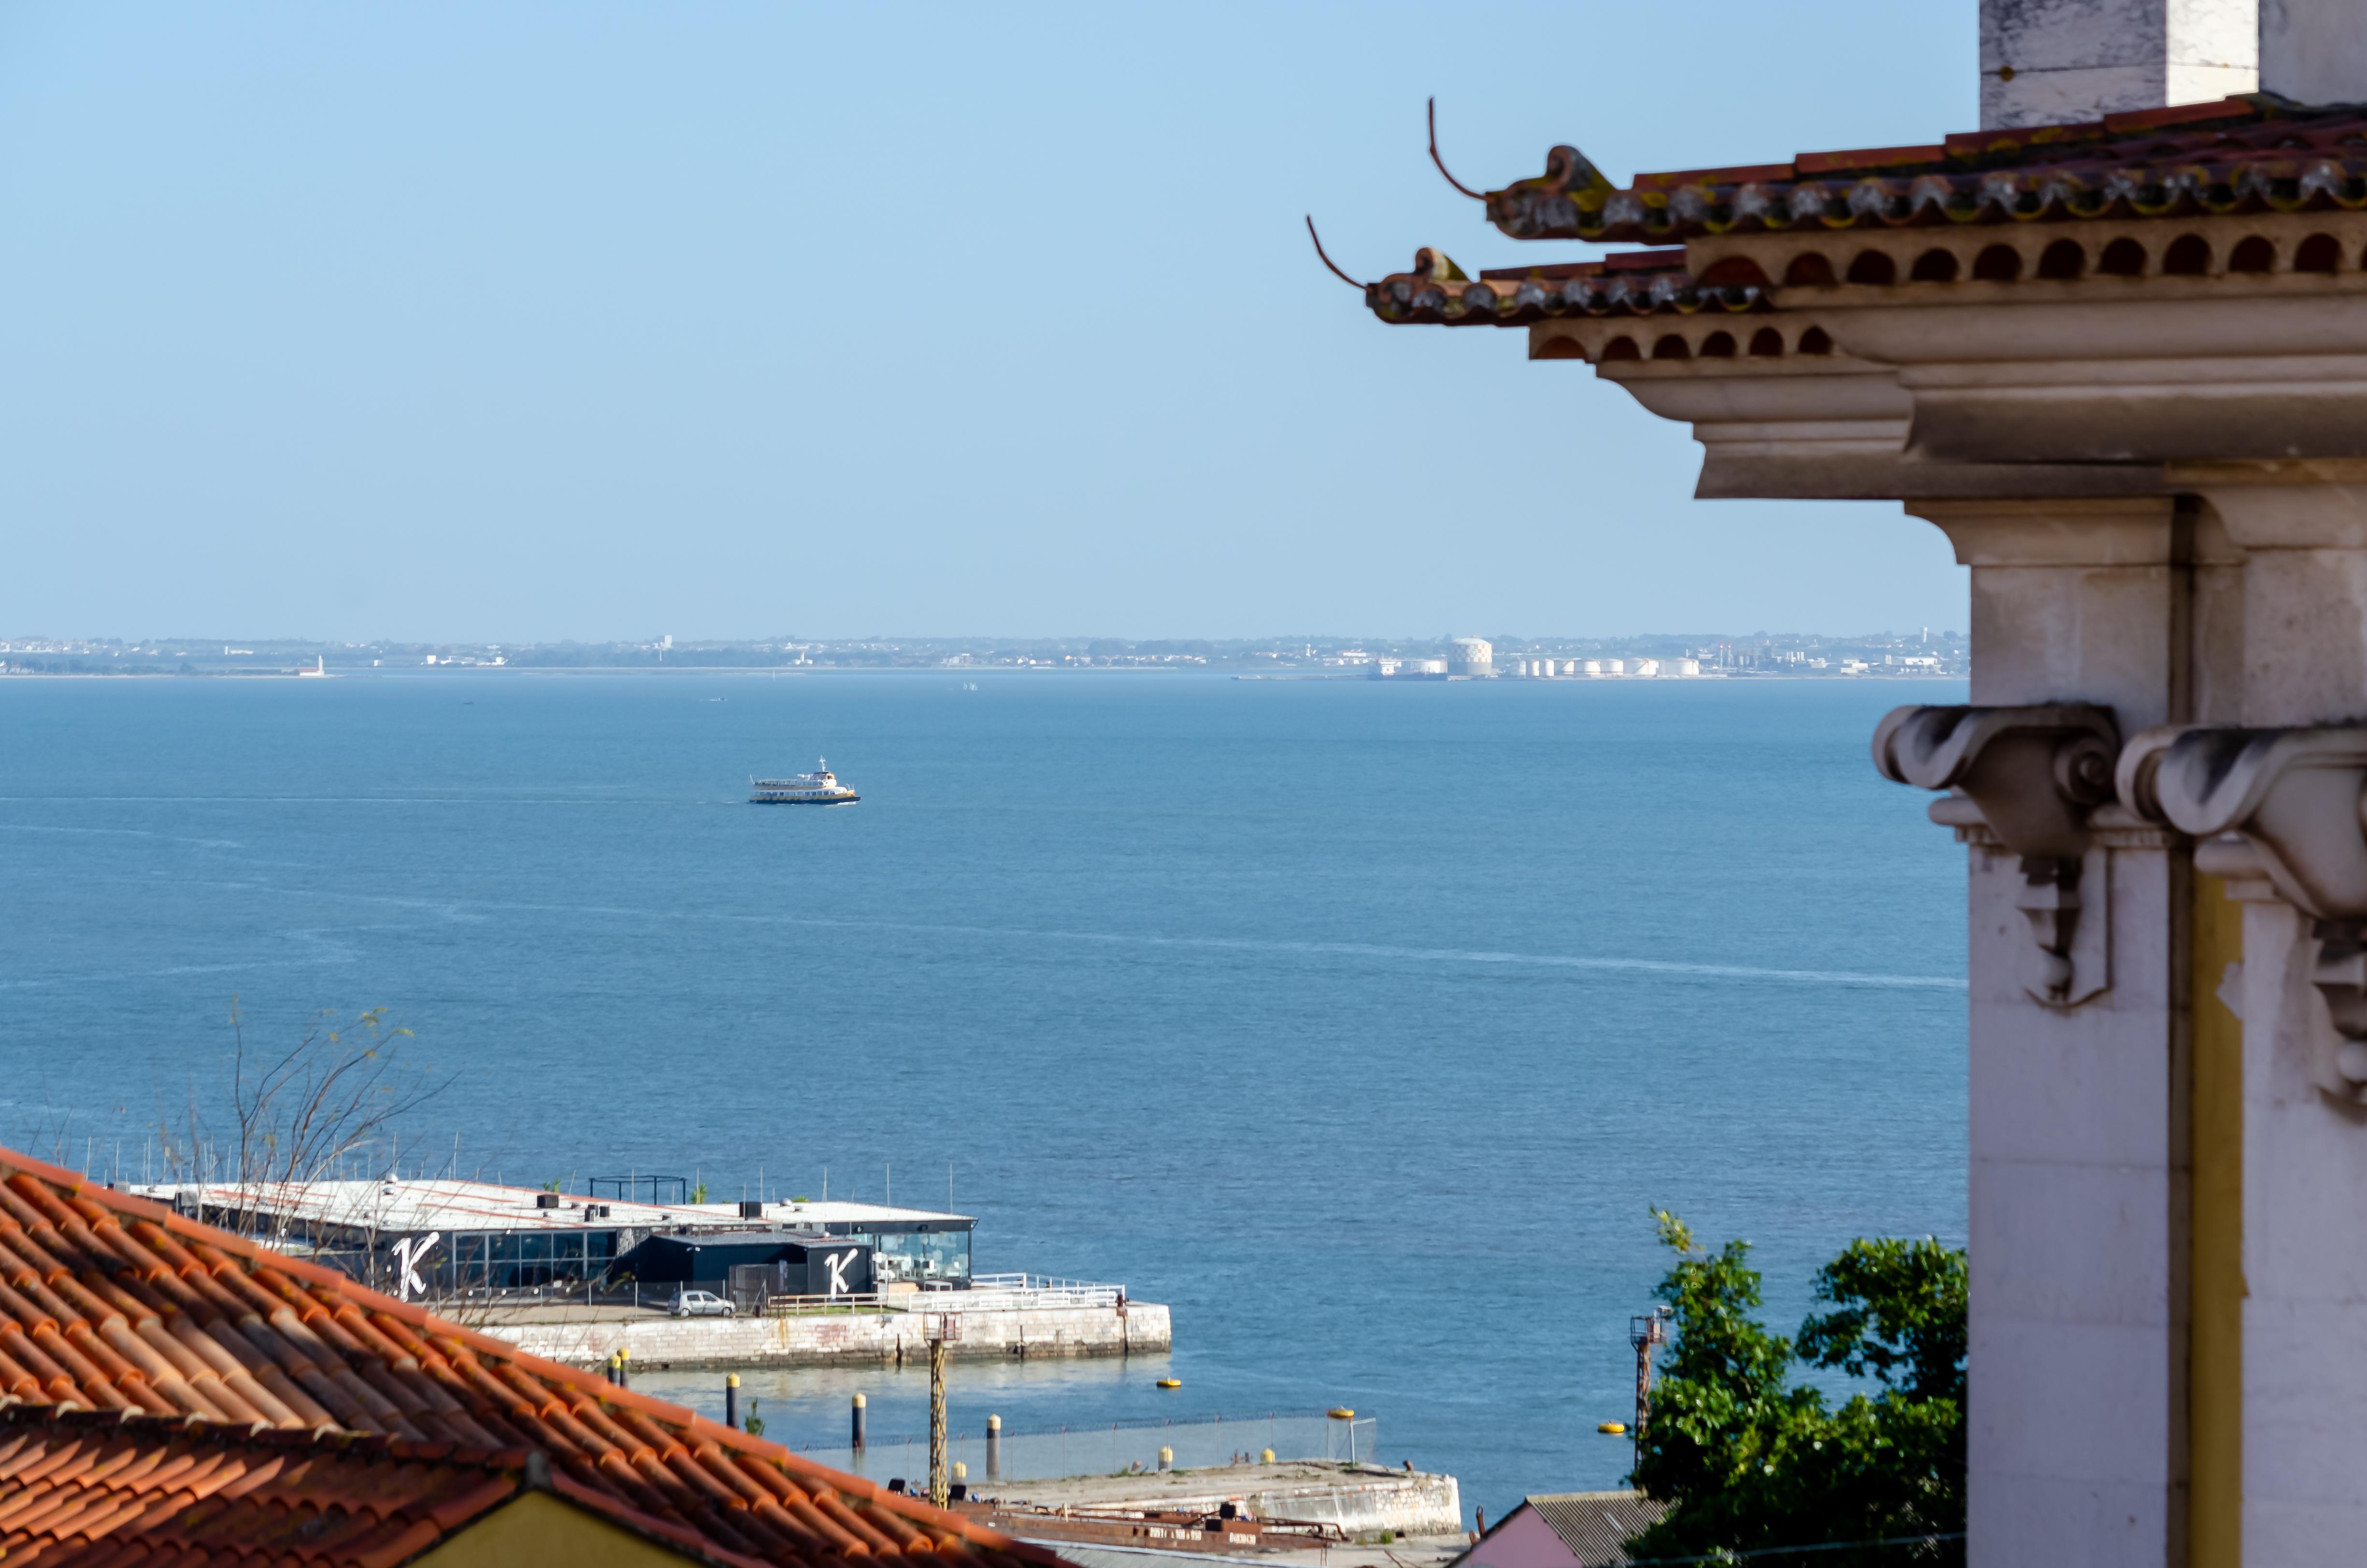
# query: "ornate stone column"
{"type": "Point", "coordinates": [2079, 1165]}
{"type": "Point", "coordinates": [2281, 801]}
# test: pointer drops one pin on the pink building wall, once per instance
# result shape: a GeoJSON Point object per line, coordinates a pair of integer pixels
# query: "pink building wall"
{"type": "Point", "coordinates": [1525, 1540]}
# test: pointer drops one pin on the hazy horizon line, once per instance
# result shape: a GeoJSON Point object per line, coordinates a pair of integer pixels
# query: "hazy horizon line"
{"type": "Point", "coordinates": [679, 641]}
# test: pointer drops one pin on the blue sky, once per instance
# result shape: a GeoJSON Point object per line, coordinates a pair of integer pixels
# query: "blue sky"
{"type": "Point", "coordinates": [527, 321]}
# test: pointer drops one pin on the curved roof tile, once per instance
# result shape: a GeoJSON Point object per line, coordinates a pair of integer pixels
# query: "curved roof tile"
{"type": "Point", "coordinates": [1636, 283]}
{"type": "Point", "coordinates": [2245, 155]}
{"type": "Point", "coordinates": [145, 1356]}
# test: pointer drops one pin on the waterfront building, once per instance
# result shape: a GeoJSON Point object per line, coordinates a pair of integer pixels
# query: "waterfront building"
{"type": "Point", "coordinates": [2113, 343]}
{"type": "Point", "coordinates": [439, 1238]}
{"type": "Point", "coordinates": [177, 1393]}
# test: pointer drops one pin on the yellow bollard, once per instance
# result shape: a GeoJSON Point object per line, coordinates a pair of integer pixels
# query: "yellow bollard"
{"type": "Point", "coordinates": [1167, 1458]}
{"type": "Point", "coordinates": [1265, 1456]}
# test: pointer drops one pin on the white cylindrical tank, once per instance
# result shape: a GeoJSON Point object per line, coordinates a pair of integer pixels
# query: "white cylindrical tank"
{"type": "Point", "coordinates": [1472, 656]}
{"type": "Point", "coordinates": [1615, 666]}
{"type": "Point", "coordinates": [1684, 666]}
{"type": "Point", "coordinates": [1647, 667]}
{"type": "Point", "coordinates": [1426, 666]}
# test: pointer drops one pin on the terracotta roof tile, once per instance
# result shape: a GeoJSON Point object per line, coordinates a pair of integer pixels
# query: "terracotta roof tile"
{"type": "Point", "coordinates": [2244, 155]}
{"type": "Point", "coordinates": [170, 1392]}
{"type": "Point", "coordinates": [1634, 283]}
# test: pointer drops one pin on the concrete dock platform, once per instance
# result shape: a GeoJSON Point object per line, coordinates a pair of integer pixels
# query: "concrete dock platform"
{"type": "Point", "coordinates": [587, 1336]}
{"type": "Point", "coordinates": [1361, 1502]}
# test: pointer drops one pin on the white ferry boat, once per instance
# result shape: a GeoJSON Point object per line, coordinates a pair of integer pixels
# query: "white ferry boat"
{"type": "Point", "coordinates": [820, 788]}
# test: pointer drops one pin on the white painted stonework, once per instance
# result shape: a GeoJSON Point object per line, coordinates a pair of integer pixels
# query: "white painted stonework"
{"type": "Point", "coordinates": [2225, 584]}
{"type": "Point", "coordinates": [2314, 51]}
{"type": "Point", "coordinates": [2053, 62]}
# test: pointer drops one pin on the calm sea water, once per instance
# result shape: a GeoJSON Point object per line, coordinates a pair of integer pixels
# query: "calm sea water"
{"type": "Point", "coordinates": [1364, 1024]}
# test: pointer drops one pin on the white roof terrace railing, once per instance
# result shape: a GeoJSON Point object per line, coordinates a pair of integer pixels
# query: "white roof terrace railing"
{"type": "Point", "coordinates": [987, 1294]}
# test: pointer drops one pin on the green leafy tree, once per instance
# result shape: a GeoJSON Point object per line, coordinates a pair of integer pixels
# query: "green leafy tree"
{"type": "Point", "coordinates": [1748, 1461]}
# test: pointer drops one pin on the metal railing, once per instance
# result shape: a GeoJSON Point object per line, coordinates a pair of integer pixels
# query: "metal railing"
{"type": "Point", "coordinates": [1121, 1447]}
{"type": "Point", "coordinates": [1019, 1292]}
{"type": "Point", "coordinates": [987, 1294]}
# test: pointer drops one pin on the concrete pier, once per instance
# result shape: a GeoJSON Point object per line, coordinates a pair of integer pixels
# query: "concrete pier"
{"type": "Point", "coordinates": [1359, 1501]}
{"type": "Point", "coordinates": [588, 1337]}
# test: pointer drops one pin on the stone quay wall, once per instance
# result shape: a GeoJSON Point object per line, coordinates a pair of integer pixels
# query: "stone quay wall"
{"type": "Point", "coordinates": [839, 1340]}
{"type": "Point", "coordinates": [1360, 1502]}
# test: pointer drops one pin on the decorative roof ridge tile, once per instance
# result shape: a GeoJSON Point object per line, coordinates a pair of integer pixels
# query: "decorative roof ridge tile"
{"type": "Point", "coordinates": [1633, 282]}
{"type": "Point", "coordinates": [2237, 154]}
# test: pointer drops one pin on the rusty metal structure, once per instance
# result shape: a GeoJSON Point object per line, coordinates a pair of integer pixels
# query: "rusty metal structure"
{"type": "Point", "coordinates": [1646, 1332]}
{"type": "Point", "coordinates": [939, 1329]}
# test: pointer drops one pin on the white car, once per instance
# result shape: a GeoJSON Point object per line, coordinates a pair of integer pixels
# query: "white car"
{"type": "Point", "coordinates": [702, 1304]}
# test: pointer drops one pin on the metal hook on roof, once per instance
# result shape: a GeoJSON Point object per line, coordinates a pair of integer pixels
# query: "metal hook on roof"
{"type": "Point", "coordinates": [1326, 260]}
{"type": "Point", "coordinates": [1441, 162]}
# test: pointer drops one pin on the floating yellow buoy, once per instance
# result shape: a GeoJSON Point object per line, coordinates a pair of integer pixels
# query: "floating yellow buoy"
{"type": "Point", "coordinates": [1340, 1412]}
{"type": "Point", "coordinates": [1613, 1427]}
{"type": "Point", "coordinates": [1170, 1382]}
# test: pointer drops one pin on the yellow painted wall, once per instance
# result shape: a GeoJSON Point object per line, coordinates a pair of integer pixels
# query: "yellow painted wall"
{"type": "Point", "coordinates": [2215, 1373]}
{"type": "Point", "coordinates": [537, 1530]}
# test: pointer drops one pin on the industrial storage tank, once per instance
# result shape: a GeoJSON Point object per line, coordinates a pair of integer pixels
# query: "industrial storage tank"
{"type": "Point", "coordinates": [1471, 657]}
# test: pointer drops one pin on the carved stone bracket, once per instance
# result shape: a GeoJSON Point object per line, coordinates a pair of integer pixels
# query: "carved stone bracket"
{"type": "Point", "coordinates": [2296, 800]}
{"type": "Point", "coordinates": [2293, 795]}
{"type": "Point", "coordinates": [2037, 774]}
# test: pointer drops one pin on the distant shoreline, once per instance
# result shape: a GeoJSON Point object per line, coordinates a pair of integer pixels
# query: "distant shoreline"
{"type": "Point", "coordinates": [414, 672]}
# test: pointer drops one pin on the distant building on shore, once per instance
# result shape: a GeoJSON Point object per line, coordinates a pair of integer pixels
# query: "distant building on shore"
{"type": "Point", "coordinates": [1473, 658]}
{"type": "Point", "coordinates": [1409, 669]}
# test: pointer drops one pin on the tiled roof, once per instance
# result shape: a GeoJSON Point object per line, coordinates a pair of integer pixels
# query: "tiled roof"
{"type": "Point", "coordinates": [91, 1486]}
{"type": "Point", "coordinates": [2244, 155]}
{"type": "Point", "coordinates": [118, 1307]}
{"type": "Point", "coordinates": [1596, 1525]}
{"type": "Point", "coordinates": [1636, 283]}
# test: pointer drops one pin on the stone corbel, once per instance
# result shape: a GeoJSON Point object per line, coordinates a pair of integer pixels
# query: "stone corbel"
{"type": "Point", "coordinates": [2290, 805]}
{"type": "Point", "coordinates": [2036, 774]}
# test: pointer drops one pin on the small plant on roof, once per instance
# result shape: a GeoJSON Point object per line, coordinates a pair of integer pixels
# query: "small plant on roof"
{"type": "Point", "coordinates": [698, 1193]}
{"type": "Point", "coordinates": [752, 1423]}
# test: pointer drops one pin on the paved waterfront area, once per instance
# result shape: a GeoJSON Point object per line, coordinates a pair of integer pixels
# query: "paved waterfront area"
{"type": "Point", "coordinates": [1360, 1500]}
